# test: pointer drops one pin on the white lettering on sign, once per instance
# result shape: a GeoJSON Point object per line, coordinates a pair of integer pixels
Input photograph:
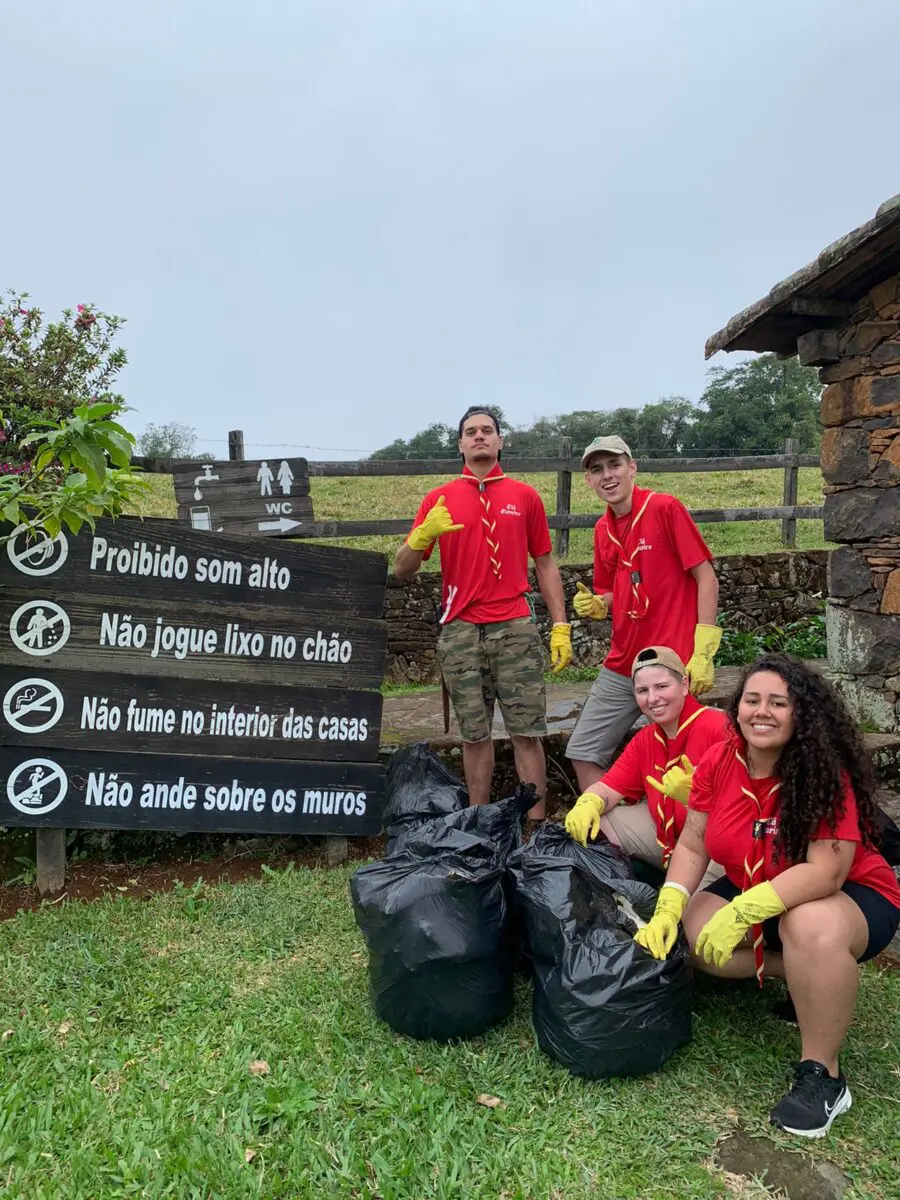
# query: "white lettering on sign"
{"type": "Point", "coordinates": [324, 649]}
{"type": "Point", "coordinates": [98, 715]}
{"type": "Point", "coordinates": [138, 559]}
{"type": "Point", "coordinates": [159, 561]}
{"type": "Point", "coordinates": [330, 802]}
{"type": "Point", "coordinates": [182, 640]}
{"type": "Point", "coordinates": [30, 783]}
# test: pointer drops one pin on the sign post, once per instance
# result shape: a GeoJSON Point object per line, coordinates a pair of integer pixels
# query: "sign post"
{"type": "Point", "coordinates": [158, 677]}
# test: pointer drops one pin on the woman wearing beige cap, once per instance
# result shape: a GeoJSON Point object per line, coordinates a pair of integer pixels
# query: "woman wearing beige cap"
{"type": "Point", "coordinates": [657, 763]}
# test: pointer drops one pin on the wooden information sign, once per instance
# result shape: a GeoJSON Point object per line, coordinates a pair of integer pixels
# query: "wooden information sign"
{"type": "Point", "coordinates": [157, 662]}
{"type": "Point", "coordinates": [269, 498]}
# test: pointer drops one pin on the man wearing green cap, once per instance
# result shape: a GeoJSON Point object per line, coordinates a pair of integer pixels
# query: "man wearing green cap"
{"type": "Point", "coordinates": [653, 575]}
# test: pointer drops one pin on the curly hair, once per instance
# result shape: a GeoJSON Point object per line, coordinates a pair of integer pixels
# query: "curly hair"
{"type": "Point", "coordinates": [824, 752]}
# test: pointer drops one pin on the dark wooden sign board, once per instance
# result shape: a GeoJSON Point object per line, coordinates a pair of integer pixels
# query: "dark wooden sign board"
{"type": "Point", "coordinates": [162, 560]}
{"type": "Point", "coordinates": [123, 646]}
{"type": "Point", "coordinates": [94, 710]}
{"type": "Point", "coordinates": [74, 789]}
{"type": "Point", "coordinates": [189, 639]}
{"type": "Point", "coordinates": [267, 498]}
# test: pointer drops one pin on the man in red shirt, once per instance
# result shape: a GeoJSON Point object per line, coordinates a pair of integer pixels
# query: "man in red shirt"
{"type": "Point", "coordinates": [653, 573]}
{"type": "Point", "coordinates": [657, 763]}
{"type": "Point", "coordinates": [489, 648]}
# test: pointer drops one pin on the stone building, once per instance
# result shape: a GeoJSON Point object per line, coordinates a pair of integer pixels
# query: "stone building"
{"type": "Point", "coordinates": [841, 313]}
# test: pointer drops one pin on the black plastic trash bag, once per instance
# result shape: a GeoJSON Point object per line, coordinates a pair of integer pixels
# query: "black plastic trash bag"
{"type": "Point", "coordinates": [603, 1006]}
{"type": "Point", "coordinates": [435, 917]}
{"type": "Point", "coordinates": [418, 787]}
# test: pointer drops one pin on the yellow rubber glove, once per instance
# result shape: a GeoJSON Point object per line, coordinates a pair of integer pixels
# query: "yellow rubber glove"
{"type": "Point", "coordinates": [560, 646]}
{"type": "Point", "coordinates": [588, 604]}
{"type": "Point", "coordinates": [583, 820]}
{"type": "Point", "coordinates": [676, 782]}
{"type": "Point", "coordinates": [700, 668]}
{"type": "Point", "coordinates": [659, 934]}
{"type": "Point", "coordinates": [725, 930]}
{"type": "Point", "coordinates": [435, 525]}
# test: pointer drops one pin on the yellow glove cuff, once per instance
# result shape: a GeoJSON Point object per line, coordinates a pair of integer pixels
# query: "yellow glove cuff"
{"type": "Point", "coordinates": [758, 903]}
{"type": "Point", "coordinates": [419, 539]}
{"type": "Point", "coordinates": [707, 639]}
{"type": "Point", "coordinates": [673, 899]}
{"type": "Point", "coordinates": [594, 800]}
{"type": "Point", "coordinates": [562, 625]}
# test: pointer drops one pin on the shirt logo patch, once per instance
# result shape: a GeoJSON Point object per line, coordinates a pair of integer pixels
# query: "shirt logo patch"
{"type": "Point", "coordinates": [642, 545]}
{"type": "Point", "coordinates": [509, 510]}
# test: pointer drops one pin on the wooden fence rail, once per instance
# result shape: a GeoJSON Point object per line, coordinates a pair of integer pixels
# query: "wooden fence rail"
{"type": "Point", "coordinates": [565, 465]}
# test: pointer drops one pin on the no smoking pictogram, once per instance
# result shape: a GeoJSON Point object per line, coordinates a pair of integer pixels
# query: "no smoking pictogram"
{"type": "Point", "coordinates": [33, 705]}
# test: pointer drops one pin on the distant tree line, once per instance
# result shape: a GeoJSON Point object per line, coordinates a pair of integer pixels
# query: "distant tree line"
{"type": "Point", "coordinates": [747, 409]}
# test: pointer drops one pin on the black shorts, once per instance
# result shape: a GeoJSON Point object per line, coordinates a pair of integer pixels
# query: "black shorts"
{"type": "Point", "coordinates": [881, 916]}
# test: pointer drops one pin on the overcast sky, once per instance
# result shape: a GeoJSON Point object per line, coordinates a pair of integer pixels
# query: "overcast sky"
{"type": "Point", "coordinates": [332, 222]}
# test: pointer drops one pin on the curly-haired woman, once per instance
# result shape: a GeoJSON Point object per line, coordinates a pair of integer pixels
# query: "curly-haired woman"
{"type": "Point", "coordinates": [786, 805]}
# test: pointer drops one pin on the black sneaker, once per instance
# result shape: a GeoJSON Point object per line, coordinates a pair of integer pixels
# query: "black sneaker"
{"type": "Point", "coordinates": [813, 1102]}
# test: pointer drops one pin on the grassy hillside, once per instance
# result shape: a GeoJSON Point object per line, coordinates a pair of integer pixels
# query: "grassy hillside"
{"type": "Point", "coordinates": [393, 498]}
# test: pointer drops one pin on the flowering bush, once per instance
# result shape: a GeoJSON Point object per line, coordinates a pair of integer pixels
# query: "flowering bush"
{"type": "Point", "coordinates": [64, 459]}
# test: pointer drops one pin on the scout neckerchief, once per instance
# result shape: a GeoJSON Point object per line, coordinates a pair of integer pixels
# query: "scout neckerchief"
{"type": "Point", "coordinates": [640, 601]}
{"type": "Point", "coordinates": [672, 750]}
{"type": "Point", "coordinates": [488, 520]}
{"type": "Point", "coordinates": [765, 810]}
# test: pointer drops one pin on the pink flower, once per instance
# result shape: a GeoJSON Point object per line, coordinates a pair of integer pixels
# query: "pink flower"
{"type": "Point", "coordinates": [23, 312]}
{"type": "Point", "coordinates": [81, 308]}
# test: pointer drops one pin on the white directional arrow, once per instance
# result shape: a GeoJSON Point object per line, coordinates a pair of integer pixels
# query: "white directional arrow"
{"type": "Point", "coordinates": [282, 525]}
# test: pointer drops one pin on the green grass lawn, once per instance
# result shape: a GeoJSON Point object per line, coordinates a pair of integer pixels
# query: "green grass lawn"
{"type": "Point", "coordinates": [392, 498]}
{"type": "Point", "coordinates": [130, 1030]}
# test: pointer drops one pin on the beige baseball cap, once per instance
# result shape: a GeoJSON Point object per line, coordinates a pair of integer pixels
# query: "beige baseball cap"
{"type": "Point", "coordinates": [605, 445]}
{"type": "Point", "coordinates": [658, 656]}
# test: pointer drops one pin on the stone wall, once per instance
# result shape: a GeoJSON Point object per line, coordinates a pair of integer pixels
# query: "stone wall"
{"type": "Point", "coordinates": [861, 465]}
{"type": "Point", "coordinates": [756, 589]}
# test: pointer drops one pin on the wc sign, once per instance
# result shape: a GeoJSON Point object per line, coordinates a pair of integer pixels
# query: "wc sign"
{"type": "Point", "coordinates": [268, 497]}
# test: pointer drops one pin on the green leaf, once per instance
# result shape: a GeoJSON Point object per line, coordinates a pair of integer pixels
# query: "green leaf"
{"type": "Point", "coordinates": [116, 446]}
{"type": "Point", "coordinates": [90, 459]}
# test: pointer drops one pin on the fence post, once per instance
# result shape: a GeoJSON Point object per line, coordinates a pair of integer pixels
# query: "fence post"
{"type": "Point", "coordinates": [235, 445]}
{"type": "Point", "coordinates": [791, 479]}
{"type": "Point", "coordinates": [564, 496]}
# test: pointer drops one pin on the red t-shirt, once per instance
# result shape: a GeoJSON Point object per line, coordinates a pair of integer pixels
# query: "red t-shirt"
{"type": "Point", "coordinates": [651, 753]}
{"type": "Point", "coordinates": [659, 540]}
{"type": "Point", "coordinates": [514, 519]}
{"type": "Point", "coordinates": [736, 803]}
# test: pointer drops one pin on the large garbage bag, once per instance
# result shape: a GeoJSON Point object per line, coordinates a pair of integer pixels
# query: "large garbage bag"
{"type": "Point", "coordinates": [418, 787]}
{"type": "Point", "coordinates": [602, 1005]}
{"type": "Point", "coordinates": [435, 918]}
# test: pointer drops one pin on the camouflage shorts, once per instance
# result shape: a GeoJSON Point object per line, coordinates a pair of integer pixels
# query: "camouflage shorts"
{"type": "Point", "coordinates": [502, 661]}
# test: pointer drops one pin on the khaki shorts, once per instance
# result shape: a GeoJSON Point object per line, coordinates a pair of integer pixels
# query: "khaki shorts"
{"type": "Point", "coordinates": [502, 661]}
{"type": "Point", "coordinates": [632, 826]}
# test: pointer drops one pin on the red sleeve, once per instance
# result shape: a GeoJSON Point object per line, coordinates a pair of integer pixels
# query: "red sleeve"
{"type": "Point", "coordinates": [685, 536]}
{"type": "Point", "coordinates": [539, 542]}
{"type": "Point", "coordinates": [703, 785]}
{"type": "Point", "coordinates": [424, 509]}
{"type": "Point", "coordinates": [847, 827]}
{"type": "Point", "coordinates": [604, 562]}
{"type": "Point", "coordinates": [626, 775]}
